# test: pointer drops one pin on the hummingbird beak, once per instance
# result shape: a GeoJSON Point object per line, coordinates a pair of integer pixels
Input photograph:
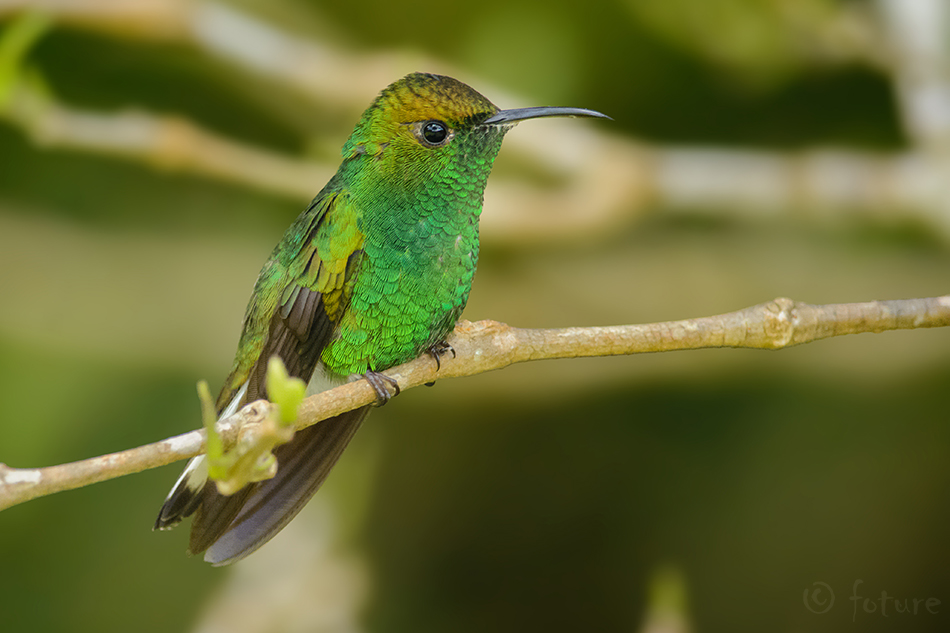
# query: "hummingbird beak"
{"type": "Point", "coordinates": [508, 117]}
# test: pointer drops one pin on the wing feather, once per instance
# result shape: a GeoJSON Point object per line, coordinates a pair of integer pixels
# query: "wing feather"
{"type": "Point", "coordinates": [288, 316]}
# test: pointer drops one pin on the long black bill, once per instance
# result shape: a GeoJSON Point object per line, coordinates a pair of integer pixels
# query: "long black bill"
{"type": "Point", "coordinates": [505, 117]}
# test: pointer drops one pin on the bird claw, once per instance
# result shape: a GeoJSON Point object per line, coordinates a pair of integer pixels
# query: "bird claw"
{"type": "Point", "coordinates": [439, 350]}
{"type": "Point", "coordinates": [380, 383]}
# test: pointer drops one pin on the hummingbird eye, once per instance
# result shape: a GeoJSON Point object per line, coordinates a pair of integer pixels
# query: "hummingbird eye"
{"type": "Point", "coordinates": [434, 133]}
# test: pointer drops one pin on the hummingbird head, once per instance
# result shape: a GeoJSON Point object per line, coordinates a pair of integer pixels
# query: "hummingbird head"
{"type": "Point", "coordinates": [416, 120]}
{"type": "Point", "coordinates": [435, 134]}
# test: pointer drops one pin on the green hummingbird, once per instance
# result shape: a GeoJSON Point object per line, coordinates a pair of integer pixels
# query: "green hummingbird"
{"type": "Point", "coordinates": [375, 272]}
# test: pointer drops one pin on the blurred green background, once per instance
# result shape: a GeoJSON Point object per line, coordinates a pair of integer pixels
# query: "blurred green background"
{"type": "Point", "coordinates": [702, 491]}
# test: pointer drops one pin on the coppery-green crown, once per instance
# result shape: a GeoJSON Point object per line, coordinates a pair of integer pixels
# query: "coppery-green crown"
{"type": "Point", "coordinates": [415, 98]}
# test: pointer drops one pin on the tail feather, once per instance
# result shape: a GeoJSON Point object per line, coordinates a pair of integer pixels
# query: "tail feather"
{"type": "Point", "coordinates": [231, 527]}
{"type": "Point", "coordinates": [185, 495]}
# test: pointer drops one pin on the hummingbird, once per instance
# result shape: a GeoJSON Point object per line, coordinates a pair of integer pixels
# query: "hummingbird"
{"type": "Point", "coordinates": [375, 272]}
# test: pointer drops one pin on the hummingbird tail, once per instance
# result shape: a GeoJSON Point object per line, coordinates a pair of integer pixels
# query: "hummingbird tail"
{"type": "Point", "coordinates": [231, 527]}
{"type": "Point", "coordinates": [185, 495]}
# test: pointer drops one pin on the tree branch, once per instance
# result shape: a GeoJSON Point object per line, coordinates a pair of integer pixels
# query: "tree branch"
{"type": "Point", "coordinates": [487, 345]}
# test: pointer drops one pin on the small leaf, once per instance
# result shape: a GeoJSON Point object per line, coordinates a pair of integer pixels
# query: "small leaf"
{"type": "Point", "coordinates": [217, 463]}
{"type": "Point", "coordinates": [15, 43]}
{"type": "Point", "coordinates": [286, 392]}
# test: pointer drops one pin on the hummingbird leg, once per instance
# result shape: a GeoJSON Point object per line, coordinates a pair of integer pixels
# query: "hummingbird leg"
{"type": "Point", "coordinates": [380, 383]}
{"type": "Point", "coordinates": [437, 351]}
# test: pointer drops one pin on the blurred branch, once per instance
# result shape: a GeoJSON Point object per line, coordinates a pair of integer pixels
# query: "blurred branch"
{"type": "Point", "coordinates": [917, 36]}
{"type": "Point", "coordinates": [920, 68]}
{"type": "Point", "coordinates": [151, 19]}
{"type": "Point", "coordinates": [604, 182]}
{"type": "Point", "coordinates": [169, 143]}
{"type": "Point", "coordinates": [321, 72]}
{"type": "Point", "coordinates": [765, 39]}
{"type": "Point", "coordinates": [620, 181]}
{"type": "Point", "coordinates": [816, 31]}
{"type": "Point", "coordinates": [489, 345]}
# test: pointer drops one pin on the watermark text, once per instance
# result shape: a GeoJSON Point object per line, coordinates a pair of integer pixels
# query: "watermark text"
{"type": "Point", "coordinates": [820, 598]}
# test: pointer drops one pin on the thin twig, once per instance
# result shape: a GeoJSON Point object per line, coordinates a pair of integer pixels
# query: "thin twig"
{"type": "Point", "coordinates": [487, 345]}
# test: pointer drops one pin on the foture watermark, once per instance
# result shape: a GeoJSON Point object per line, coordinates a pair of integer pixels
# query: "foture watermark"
{"type": "Point", "coordinates": [820, 598]}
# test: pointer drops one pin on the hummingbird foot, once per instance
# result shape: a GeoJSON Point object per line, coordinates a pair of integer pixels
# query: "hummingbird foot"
{"type": "Point", "coordinates": [380, 384]}
{"type": "Point", "coordinates": [437, 351]}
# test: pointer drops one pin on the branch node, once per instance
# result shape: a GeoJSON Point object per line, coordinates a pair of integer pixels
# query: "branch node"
{"type": "Point", "coordinates": [781, 318]}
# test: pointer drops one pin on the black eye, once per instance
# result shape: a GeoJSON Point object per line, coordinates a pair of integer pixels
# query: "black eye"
{"type": "Point", "coordinates": [434, 132]}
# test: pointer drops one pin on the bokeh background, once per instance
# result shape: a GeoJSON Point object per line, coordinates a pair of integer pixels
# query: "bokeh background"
{"type": "Point", "coordinates": [152, 153]}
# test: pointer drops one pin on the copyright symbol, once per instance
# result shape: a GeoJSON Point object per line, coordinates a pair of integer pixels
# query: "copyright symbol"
{"type": "Point", "coordinates": [815, 600]}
